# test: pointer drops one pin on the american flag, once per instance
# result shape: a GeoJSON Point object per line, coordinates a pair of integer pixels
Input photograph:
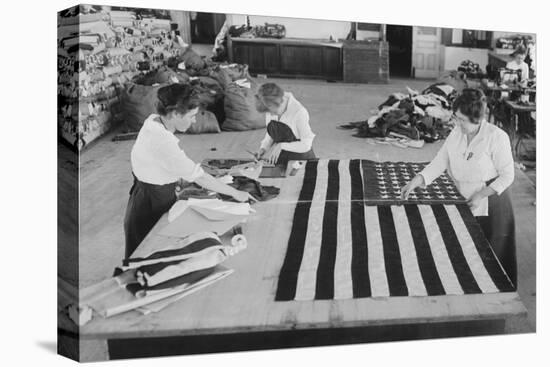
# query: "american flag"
{"type": "Point", "coordinates": [341, 247]}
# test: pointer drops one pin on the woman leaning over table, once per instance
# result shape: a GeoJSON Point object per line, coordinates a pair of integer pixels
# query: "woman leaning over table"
{"type": "Point", "coordinates": [158, 164]}
{"type": "Point", "coordinates": [478, 157]}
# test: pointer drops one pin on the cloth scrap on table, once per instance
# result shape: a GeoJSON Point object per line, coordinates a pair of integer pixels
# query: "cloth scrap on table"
{"type": "Point", "coordinates": [190, 222]}
{"type": "Point", "coordinates": [340, 248]}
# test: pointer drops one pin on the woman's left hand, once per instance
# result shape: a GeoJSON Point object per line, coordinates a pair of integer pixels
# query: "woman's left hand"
{"type": "Point", "coordinates": [272, 155]}
{"type": "Point", "coordinates": [475, 200]}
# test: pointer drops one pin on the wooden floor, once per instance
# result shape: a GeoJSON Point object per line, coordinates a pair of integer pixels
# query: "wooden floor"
{"type": "Point", "coordinates": [105, 176]}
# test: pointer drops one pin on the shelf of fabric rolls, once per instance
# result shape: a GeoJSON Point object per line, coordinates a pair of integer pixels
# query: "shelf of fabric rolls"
{"type": "Point", "coordinates": [98, 54]}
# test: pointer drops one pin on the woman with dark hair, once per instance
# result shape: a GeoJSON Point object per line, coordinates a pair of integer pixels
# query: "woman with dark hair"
{"type": "Point", "coordinates": [478, 157]}
{"type": "Point", "coordinates": [289, 136]}
{"type": "Point", "coordinates": [158, 164]}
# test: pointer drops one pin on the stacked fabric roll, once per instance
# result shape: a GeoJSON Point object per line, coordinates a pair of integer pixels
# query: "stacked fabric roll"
{"type": "Point", "coordinates": [98, 54]}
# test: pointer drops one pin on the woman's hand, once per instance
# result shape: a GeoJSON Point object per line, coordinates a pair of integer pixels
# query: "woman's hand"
{"type": "Point", "coordinates": [258, 155]}
{"type": "Point", "coordinates": [243, 196]}
{"type": "Point", "coordinates": [406, 190]}
{"type": "Point", "coordinates": [272, 155]}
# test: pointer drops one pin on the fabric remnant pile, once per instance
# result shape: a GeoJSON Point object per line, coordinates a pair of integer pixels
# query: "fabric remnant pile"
{"type": "Point", "coordinates": [412, 115]}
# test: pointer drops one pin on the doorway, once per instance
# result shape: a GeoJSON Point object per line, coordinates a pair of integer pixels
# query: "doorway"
{"type": "Point", "coordinates": [205, 27]}
{"type": "Point", "coordinates": [400, 40]}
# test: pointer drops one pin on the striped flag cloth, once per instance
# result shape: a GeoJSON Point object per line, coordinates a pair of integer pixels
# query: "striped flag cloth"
{"type": "Point", "coordinates": [341, 248]}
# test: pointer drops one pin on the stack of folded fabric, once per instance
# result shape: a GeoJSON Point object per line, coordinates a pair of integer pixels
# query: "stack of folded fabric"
{"type": "Point", "coordinates": [151, 282]}
{"type": "Point", "coordinates": [414, 116]}
{"type": "Point", "coordinates": [99, 52]}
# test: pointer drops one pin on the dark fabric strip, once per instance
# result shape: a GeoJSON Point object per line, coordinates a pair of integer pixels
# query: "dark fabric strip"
{"type": "Point", "coordinates": [392, 256]}
{"type": "Point", "coordinates": [189, 249]}
{"type": "Point", "coordinates": [454, 250]}
{"type": "Point", "coordinates": [360, 258]}
{"type": "Point", "coordinates": [484, 249]}
{"type": "Point", "coordinates": [324, 286]}
{"type": "Point", "coordinates": [426, 262]}
{"type": "Point", "coordinates": [190, 278]}
{"type": "Point", "coordinates": [288, 276]}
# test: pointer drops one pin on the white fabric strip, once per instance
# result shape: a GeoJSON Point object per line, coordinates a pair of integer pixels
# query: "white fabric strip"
{"type": "Point", "coordinates": [471, 254]}
{"type": "Point", "coordinates": [409, 261]}
{"type": "Point", "coordinates": [343, 283]}
{"type": "Point", "coordinates": [377, 265]}
{"type": "Point", "coordinates": [439, 252]}
{"type": "Point", "coordinates": [307, 276]}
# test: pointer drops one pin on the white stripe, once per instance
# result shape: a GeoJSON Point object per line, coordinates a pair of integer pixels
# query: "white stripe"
{"type": "Point", "coordinates": [307, 276]}
{"type": "Point", "coordinates": [343, 283]}
{"type": "Point", "coordinates": [377, 265]}
{"type": "Point", "coordinates": [439, 252]}
{"type": "Point", "coordinates": [471, 254]}
{"type": "Point", "coordinates": [409, 262]}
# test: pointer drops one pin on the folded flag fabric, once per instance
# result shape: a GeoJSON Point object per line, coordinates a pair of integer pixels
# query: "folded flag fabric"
{"type": "Point", "coordinates": [141, 291]}
{"type": "Point", "coordinates": [340, 248]}
{"type": "Point", "coordinates": [193, 245]}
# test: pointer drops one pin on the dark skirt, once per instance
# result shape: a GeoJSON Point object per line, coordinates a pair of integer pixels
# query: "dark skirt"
{"type": "Point", "coordinates": [499, 228]}
{"type": "Point", "coordinates": [282, 133]}
{"type": "Point", "coordinates": [146, 205]}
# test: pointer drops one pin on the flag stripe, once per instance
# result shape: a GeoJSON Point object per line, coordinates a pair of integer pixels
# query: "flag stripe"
{"type": "Point", "coordinates": [288, 277]}
{"type": "Point", "coordinates": [377, 266]}
{"type": "Point", "coordinates": [487, 255]}
{"type": "Point", "coordinates": [411, 271]}
{"type": "Point", "coordinates": [463, 271]}
{"type": "Point", "coordinates": [360, 259]}
{"type": "Point", "coordinates": [439, 252]}
{"type": "Point", "coordinates": [392, 257]}
{"type": "Point", "coordinates": [327, 257]}
{"type": "Point", "coordinates": [305, 289]}
{"type": "Point", "coordinates": [479, 271]}
{"type": "Point", "coordinates": [342, 269]}
{"type": "Point", "coordinates": [426, 262]}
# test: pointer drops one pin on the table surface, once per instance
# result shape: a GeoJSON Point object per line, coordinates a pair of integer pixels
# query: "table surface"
{"type": "Point", "coordinates": [519, 107]}
{"type": "Point", "coordinates": [245, 300]}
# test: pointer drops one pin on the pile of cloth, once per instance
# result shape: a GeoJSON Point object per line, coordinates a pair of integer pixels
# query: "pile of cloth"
{"type": "Point", "coordinates": [471, 69]}
{"type": "Point", "coordinates": [99, 52]}
{"type": "Point", "coordinates": [410, 116]}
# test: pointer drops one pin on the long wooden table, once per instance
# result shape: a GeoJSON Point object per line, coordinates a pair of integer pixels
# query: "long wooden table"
{"type": "Point", "coordinates": [240, 311]}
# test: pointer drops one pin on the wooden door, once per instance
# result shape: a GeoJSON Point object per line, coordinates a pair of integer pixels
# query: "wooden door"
{"type": "Point", "coordinates": [426, 52]}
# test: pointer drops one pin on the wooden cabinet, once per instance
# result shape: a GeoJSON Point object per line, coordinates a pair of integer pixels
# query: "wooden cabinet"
{"type": "Point", "coordinates": [288, 57]}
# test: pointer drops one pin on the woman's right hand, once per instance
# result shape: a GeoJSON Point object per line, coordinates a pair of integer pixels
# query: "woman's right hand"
{"type": "Point", "coordinates": [243, 196]}
{"type": "Point", "coordinates": [406, 190]}
{"type": "Point", "coordinates": [259, 153]}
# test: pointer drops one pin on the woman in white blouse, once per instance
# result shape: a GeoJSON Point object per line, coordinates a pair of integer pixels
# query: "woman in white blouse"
{"type": "Point", "coordinates": [289, 136]}
{"type": "Point", "coordinates": [158, 163]}
{"type": "Point", "coordinates": [478, 157]}
{"type": "Point", "coordinates": [518, 62]}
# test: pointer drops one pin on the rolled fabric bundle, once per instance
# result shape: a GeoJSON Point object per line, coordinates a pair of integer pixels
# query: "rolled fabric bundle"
{"type": "Point", "coordinates": [141, 291]}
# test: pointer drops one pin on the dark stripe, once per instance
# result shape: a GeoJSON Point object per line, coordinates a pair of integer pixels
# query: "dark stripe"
{"type": "Point", "coordinates": [454, 250]}
{"type": "Point", "coordinates": [360, 258]}
{"type": "Point", "coordinates": [288, 277]}
{"type": "Point", "coordinates": [483, 247]}
{"type": "Point", "coordinates": [426, 262]}
{"type": "Point", "coordinates": [324, 287]}
{"type": "Point", "coordinates": [392, 256]}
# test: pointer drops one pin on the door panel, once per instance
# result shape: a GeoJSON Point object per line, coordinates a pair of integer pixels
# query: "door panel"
{"type": "Point", "coordinates": [426, 43]}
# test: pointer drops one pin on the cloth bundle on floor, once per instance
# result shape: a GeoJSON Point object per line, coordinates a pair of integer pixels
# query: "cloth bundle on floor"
{"type": "Point", "coordinates": [240, 109]}
{"type": "Point", "coordinates": [139, 101]}
{"type": "Point", "coordinates": [412, 115]}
